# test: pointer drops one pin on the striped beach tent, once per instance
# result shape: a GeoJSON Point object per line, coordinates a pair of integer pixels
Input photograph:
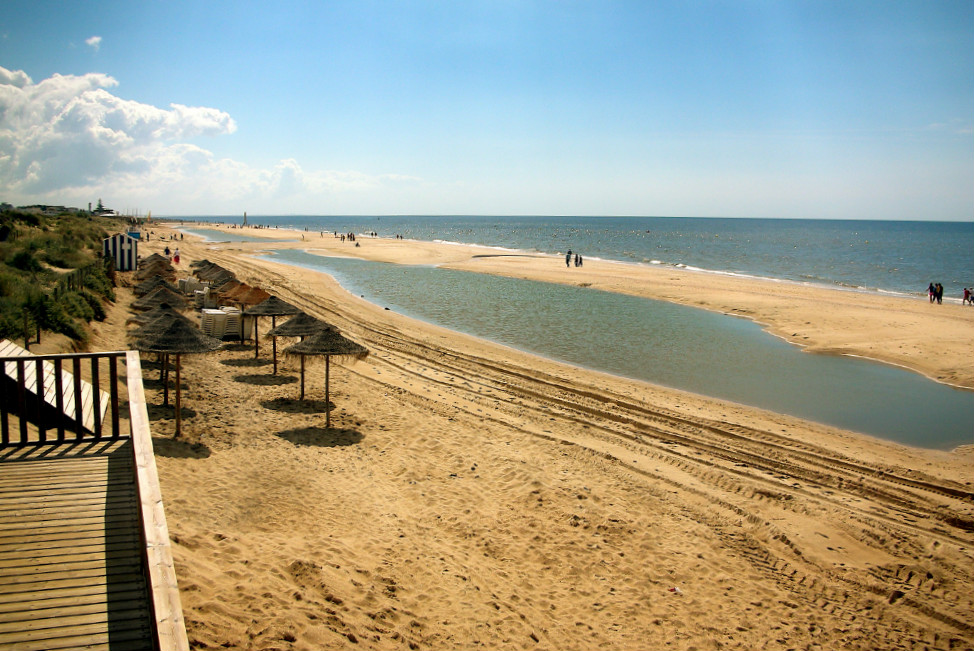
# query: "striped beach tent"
{"type": "Point", "coordinates": [124, 250]}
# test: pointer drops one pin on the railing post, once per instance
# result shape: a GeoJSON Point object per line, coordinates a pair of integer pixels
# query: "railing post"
{"type": "Point", "coordinates": [78, 411]}
{"type": "Point", "coordinates": [113, 377]}
{"type": "Point", "coordinates": [4, 409]}
{"type": "Point", "coordinates": [39, 373]}
{"type": "Point", "coordinates": [22, 401]}
{"type": "Point", "coordinates": [95, 398]}
{"type": "Point", "coordinates": [59, 398]}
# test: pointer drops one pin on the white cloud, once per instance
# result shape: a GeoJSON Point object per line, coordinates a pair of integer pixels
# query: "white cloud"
{"type": "Point", "coordinates": [67, 139]}
{"type": "Point", "coordinates": [94, 42]}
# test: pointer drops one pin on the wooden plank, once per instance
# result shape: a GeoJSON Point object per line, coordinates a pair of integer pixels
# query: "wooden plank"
{"type": "Point", "coordinates": [77, 634]}
{"type": "Point", "coordinates": [167, 607]}
{"type": "Point", "coordinates": [69, 616]}
{"type": "Point", "coordinates": [39, 600]}
{"type": "Point", "coordinates": [94, 584]}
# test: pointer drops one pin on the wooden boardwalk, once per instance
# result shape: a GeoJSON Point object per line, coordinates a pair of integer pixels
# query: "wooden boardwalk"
{"type": "Point", "coordinates": [84, 546]}
{"type": "Point", "coordinates": [70, 549]}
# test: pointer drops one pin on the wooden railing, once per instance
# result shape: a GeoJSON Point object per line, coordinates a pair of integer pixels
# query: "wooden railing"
{"type": "Point", "coordinates": [98, 418]}
{"type": "Point", "coordinates": [167, 608]}
{"type": "Point", "coordinates": [39, 391]}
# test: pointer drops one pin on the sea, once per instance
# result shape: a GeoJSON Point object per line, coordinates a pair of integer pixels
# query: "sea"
{"type": "Point", "coordinates": [672, 345]}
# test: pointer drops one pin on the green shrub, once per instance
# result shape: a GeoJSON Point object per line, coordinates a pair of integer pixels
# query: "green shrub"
{"type": "Point", "coordinates": [25, 261]}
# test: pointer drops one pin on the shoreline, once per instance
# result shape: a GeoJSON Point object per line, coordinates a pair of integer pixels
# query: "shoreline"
{"type": "Point", "coordinates": [470, 495]}
{"type": "Point", "coordinates": [816, 318]}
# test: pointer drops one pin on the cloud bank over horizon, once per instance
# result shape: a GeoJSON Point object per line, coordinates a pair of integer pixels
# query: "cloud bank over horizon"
{"type": "Point", "coordinates": [69, 140]}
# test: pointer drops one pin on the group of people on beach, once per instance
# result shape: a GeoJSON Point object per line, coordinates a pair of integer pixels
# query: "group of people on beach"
{"type": "Point", "coordinates": [173, 255]}
{"type": "Point", "coordinates": [568, 259]}
{"type": "Point", "coordinates": [936, 293]}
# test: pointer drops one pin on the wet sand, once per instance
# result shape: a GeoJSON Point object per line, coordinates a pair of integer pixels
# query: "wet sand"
{"type": "Point", "coordinates": [470, 495]}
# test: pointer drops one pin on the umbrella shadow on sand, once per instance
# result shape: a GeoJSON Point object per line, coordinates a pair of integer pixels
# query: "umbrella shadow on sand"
{"type": "Point", "coordinates": [290, 406]}
{"type": "Point", "coordinates": [266, 380]}
{"type": "Point", "coordinates": [173, 449]}
{"type": "Point", "coordinates": [245, 363]}
{"type": "Point", "coordinates": [163, 412]}
{"type": "Point", "coordinates": [322, 437]}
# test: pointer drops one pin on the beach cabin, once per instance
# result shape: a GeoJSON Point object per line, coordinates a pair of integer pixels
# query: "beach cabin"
{"type": "Point", "coordinates": [123, 249]}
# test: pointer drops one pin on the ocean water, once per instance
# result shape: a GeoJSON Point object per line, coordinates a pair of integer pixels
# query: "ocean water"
{"type": "Point", "coordinates": [672, 345]}
{"type": "Point", "coordinates": [887, 256]}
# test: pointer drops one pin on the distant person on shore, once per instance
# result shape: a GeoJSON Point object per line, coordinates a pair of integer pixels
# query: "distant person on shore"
{"type": "Point", "coordinates": [175, 256]}
{"type": "Point", "coordinates": [939, 289]}
{"type": "Point", "coordinates": [167, 251]}
{"type": "Point", "coordinates": [568, 258]}
{"type": "Point", "coordinates": [931, 292]}
{"type": "Point", "coordinates": [967, 297]}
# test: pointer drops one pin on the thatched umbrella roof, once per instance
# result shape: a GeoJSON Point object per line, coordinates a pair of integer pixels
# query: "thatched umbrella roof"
{"type": "Point", "coordinates": [200, 263]}
{"type": "Point", "coordinates": [213, 271]}
{"type": "Point", "coordinates": [155, 257]}
{"type": "Point", "coordinates": [327, 343]}
{"type": "Point", "coordinates": [157, 297]}
{"type": "Point", "coordinates": [251, 296]}
{"type": "Point", "coordinates": [226, 288]}
{"type": "Point", "coordinates": [222, 280]}
{"type": "Point", "coordinates": [154, 313]}
{"type": "Point", "coordinates": [273, 307]}
{"type": "Point", "coordinates": [300, 325]}
{"type": "Point", "coordinates": [147, 286]}
{"type": "Point", "coordinates": [178, 337]}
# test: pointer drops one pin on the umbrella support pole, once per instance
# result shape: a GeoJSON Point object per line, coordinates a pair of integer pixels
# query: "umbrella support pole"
{"type": "Point", "coordinates": [164, 376]}
{"type": "Point", "coordinates": [179, 420]}
{"type": "Point", "coordinates": [327, 400]}
{"type": "Point", "coordinates": [256, 340]}
{"type": "Point", "coordinates": [274, 342]}
{"type": "Point", "coordinates": [302, 377]}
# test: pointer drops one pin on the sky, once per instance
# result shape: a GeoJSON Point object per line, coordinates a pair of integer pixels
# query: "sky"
{"type": "Point", "coordinates": [746, 108]}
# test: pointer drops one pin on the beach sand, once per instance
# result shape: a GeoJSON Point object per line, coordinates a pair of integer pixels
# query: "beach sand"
{"type": "Point", "coordinates": [470, 495]}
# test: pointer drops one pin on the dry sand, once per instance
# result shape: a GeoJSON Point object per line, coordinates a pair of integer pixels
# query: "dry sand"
{"type": "Point", "coordinates": [469, 495]}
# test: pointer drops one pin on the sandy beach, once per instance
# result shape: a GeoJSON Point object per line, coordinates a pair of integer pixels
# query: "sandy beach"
{"type": "Point", "coordinates": [470, 495]}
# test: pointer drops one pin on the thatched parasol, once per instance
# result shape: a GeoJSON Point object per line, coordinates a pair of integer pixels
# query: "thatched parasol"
{"type": "Point", "coordinates": [302, 325]}
{"type": "Point", "coordinates": [200, 263]}
{"type": "Point", "coordinates": [154, 313]}
{"type": "Point", "coordinates": [251, 296]}
{"type": "Point", "coordinates": [328, 343]}
{"type": "Point", "coordinates": [227, 287]}
{"type": "Point", "coordinates": [213, 271]}
{"type": "Point", "coordinates": [155, 257]}
{"type": "Point", "coordinates": [155, 268]}
{"type": "Point", "coordinates": [147, 286]}
{"type": "Point", "coordinates": [150, 323]}
{"type": "Point", "coordinates": [272, 307]}
{"type": "Point", "coordinates": [157, 297]}
{"type": "Point", "coordinates": [177, 338]}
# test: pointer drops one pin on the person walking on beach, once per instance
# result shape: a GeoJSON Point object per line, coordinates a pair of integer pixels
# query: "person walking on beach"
{"type": "Point", "coordinates": [175, 256]}
{"type": "Point", "coordinates": [931, 292]}
{"type": "Point", "coordinates": [939, 291]}
{"type": "Point", "coordinates": [967, 297]}
{"type": "Point", "coordinates": [568, 258]}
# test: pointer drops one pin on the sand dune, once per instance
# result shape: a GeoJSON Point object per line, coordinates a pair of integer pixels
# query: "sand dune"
{"type": "Point", "coordinates": [469, 495]}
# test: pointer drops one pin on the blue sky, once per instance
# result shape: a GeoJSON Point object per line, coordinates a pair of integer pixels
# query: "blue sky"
{"type": "Point", "coordinates": [765, 109]}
